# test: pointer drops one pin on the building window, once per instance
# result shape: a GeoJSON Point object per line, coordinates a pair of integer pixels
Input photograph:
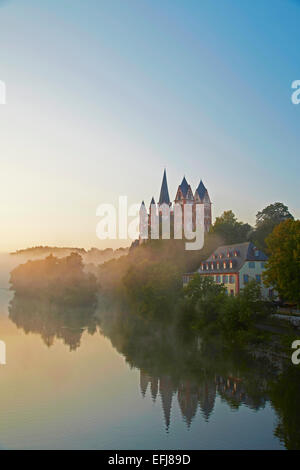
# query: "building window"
{"type": "Point", "coordinates": [212, 265]}
{"type": "Point", "coordinates": [218, 265]}
{"type": "Point", "coordinates": [218, 278]}
{"type": "Point", "coordinates": [258, 278]}
{"type": "Point", "coordinates": [225, 279]}
{"type": "Point", "coordinates": [251, 264]}
{"type": "Point", "coordinates": [256, 252]}
{"type": "Point", "coordinates": [231, 292]}
{"type": "Point", "coordinates": [230, 264]}
{"type": "Point", "coordinates": [224, 265]}
{"type": "Point", "coordinates": [246, 278]}
{"type": "Point", "coordinates": [262, 265]}
{"type": "Point", "coordinates": [231, 279]}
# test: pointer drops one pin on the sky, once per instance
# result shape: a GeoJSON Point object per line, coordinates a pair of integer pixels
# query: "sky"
{"type": "Point", "coordinates": [102, 95]}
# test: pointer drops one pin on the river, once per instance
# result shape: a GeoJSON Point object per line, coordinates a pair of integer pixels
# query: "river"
{"type": "Point", "coordinates": [107, 385]}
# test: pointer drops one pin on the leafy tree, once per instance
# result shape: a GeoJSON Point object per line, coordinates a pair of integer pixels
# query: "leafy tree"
{"type": "Point", "coordinates": [60, 279]}
{"type": "Point", "coordinates": [202, 288]}
{"type": "Point", "coordinates": [152, 288]}
{"type": "Point", "coordinates": [204, 301]}
{"type": "Point", "coordinates": [243, 311]}
{"type": "Point", "coordinates": [230, 229]}
{"type": "Point", "coordinates": [266, 220]}
{"type": "Point", "coordinates": [283, 267]}
{"type": "Point", "coordinates": [275, 213]}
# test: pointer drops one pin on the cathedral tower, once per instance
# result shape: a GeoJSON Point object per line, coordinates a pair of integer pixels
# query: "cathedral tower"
{"type": "Point", "coordinates": [202, 197]}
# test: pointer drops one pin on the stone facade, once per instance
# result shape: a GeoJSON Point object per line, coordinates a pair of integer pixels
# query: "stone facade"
{"type": "Point", "coordinates": [234, 266]}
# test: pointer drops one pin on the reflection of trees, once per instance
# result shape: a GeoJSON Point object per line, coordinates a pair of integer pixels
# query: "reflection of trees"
{"type": "Point", "coordinates": [55, 298]}
{"type": "Point", "coordinates": [284, 394]}
{"type": "Point", "coordinates": [173, 364]}
{"type": "Point", "coordinates": [52, 320]}
{"type": "Point", "coordinates": [192, 370]}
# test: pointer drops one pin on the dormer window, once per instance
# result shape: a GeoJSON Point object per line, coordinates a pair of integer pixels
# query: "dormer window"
{"type": "Point", "coordinates": [212, 265]}
{"type": "Point", "coordinates": [228, 254]}
{"type": "Point", "coordinates": [224, 265]}
{"type": "Point", "coordinates": [256, 252]}
{"type": "Point", "coordinates": [230, 264]}
{"type": "Point", "coordinates": [235, 253]}
{"type": "Point", "coordinates": [218, 265]}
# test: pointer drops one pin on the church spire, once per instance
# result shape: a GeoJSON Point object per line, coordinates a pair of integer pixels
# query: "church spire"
{"type": "Point", "coordinates": [164, 197]}
{"type": "Point", "coordinates": [201, 190]}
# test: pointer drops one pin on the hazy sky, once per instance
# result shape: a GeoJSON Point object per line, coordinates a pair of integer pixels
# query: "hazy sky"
{"type": "Point", "coordinates": [103, 94]}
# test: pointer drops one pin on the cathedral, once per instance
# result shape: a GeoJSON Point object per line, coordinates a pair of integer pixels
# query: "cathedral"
{"type": "Point", "coordinates": [184, 195]}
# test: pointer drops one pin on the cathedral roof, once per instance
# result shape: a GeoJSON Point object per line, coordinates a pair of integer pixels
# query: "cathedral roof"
{"type": "Point", "coordinates": [201, 190]}
{"type": "Point", "coordinates": [164, 197]}
{"type": "Point", "coordinates": [184, 187]}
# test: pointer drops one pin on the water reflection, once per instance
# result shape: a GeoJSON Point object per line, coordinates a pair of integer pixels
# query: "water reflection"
{"type": "Point", "coordinates": [193, 371]}
{"type": "Point", "coordinates": [53, 320]}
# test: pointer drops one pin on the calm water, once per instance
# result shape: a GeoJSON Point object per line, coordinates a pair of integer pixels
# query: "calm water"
{"type": "Point", "coordinates": [114, 384]}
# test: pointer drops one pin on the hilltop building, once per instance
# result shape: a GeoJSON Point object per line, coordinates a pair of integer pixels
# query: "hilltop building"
{"type": "Point", "coordinates": [184, 196]}
{"type": "Point", "coordinates": [234, 266]}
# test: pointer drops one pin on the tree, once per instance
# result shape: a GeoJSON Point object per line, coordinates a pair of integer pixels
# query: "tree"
{"type": "Point", "coordinates": [204, 301]}
{"type": "Point", "coordinates": [229, 229]}
{"type": "Point", "coordinates": [241, 313]}
{"type": "Point", "coordinates": [283, 267]}
{"type": "Point", "coordinates": [274, 213]}
{"type": "Point", "coordinates": [266, 220]}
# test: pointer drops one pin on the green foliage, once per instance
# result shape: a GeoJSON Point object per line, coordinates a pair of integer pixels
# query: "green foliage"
{"type": "Point", "coordinates": [242, 312]}
{"type": "Point", "coordinates": [283, 266]}
{"type": "Point", "coordinates": [204, 300]}
{"type": "Point", "coordinates": [266, 221]}
{"type": "Point", "coordinates": [60, 279]}
{"type": "Point", "coordinates": [114, 276]}
{"type": "Point", "coordinates": [230, 230]}
{"type": "Point", "coordinates": [208, 305]}
{"type": "Point", "coordinates": [275, 213]}
{"type": "Point", "coordinates": [153, 288]}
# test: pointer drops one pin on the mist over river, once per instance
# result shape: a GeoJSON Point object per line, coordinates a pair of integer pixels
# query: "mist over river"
{"type": "Point", "coordinates": [103, 381]}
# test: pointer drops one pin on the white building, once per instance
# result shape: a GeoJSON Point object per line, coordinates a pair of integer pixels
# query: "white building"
{"type": "Point", "coordinates": [234, 266]}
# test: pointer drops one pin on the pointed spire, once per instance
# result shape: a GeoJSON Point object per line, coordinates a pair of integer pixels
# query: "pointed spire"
{"type": "Point", "coordinates": [152, 202]}
{"type": "Point", "coordinates": [201, 190]}
{"type": "Point", "coordinates": [164, 197]}
{"type": "Point", "coordinates": [184, 187]}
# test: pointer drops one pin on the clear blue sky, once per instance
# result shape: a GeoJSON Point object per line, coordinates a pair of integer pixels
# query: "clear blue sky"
{"type": "Point", "coordinates": [103, 94]}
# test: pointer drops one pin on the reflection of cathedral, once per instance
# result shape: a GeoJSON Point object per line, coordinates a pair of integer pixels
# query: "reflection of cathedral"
{"type": "Point", "coordinates": [191, 396]}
